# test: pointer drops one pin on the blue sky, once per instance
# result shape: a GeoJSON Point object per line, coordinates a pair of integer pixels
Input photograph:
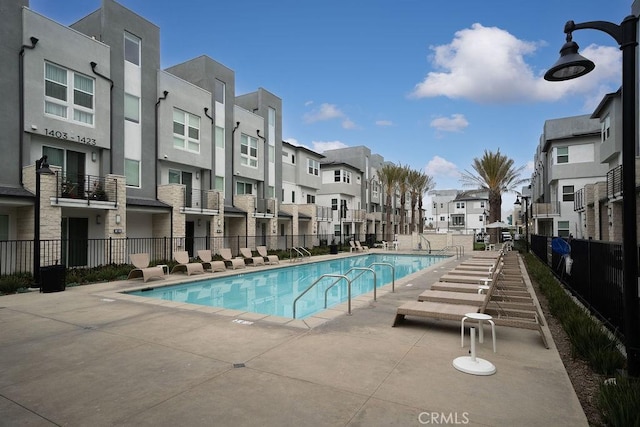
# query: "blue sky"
{"type": "Point", "coordinates": [426, 84]}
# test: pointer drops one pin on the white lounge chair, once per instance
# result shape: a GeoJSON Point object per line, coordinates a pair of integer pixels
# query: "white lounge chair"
{"type": "Point", "coordinates": [142, 269]}
{"type": "Point", "coordinates": [229, 260]}
{"type": "Point", "coordinates": [268, 259]}
{"type": "Point", "coordinates": [208, 263]}
{"type": "Point", "coordinates": [182, 258]}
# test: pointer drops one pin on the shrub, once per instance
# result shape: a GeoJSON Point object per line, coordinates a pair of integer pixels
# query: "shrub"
{"type": "Point", "coordinates": [618, 402]}
{"type": "Point", "coordinates": [15, 283]}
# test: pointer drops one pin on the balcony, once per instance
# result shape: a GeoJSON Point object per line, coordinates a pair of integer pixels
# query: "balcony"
{"type": "Point", "coordinates": [86, 189]}
{"type": "Point", "coordinates": [545, 210]}
{"type": "Point", "coordinates": [579, 199]}
{"type": "Point", "coordinates": [356, 215]}
{"type": "Point", "coordinates": [265, 208]}
{"type": "Point", "coordinates": [201, 201]}
{"type": "Point", "coordinates": [324, 213]}
{"type": "Point", "coordinates": [614, 182]}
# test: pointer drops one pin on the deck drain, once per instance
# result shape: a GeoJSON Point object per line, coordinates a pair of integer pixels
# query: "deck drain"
{"type": "Point", "coordinates": [238, 365]}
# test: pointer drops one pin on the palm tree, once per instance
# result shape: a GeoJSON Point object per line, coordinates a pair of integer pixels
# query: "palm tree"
{"type": "Point", "coordinates": [419, 183]}
{"type": "Point", "coordinates": [388, 176]}
{"type": "Point", "coordinates": [496, 174]}
{"type": "Point", "coordinates": [403, 174]}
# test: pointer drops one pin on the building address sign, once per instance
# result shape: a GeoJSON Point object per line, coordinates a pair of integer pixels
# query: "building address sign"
{"type": "Point", "coordinates": [69, 137]}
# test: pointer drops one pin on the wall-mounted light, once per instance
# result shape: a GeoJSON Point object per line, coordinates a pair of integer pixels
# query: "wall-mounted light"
{"type": "Point", "coordinates": [118, 218]}
{"type": "Point", "coordinates": [199, 222]}
{"type": "Point", "coordinates": [94, 156]}
{"type": "Point", "coordinates": [98, 219]}
{"type": "Point", "coordinates": [197, 175]}
{"type": "Point", "coordinates": [219, 222]}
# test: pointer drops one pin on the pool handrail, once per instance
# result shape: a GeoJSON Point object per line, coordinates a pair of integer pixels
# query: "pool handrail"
{"type": "Point", "coordinates": [300, 252]}
{"type": "Point", "coordinates": [339, 276]}
{"type": "Point", "coordinates": [363, 269]}
{"type": "Point", "coordinates": [393, 273]}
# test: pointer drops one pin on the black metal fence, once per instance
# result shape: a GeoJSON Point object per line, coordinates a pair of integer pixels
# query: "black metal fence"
{"type": "Point", "coordinates": [16, 256]}
{"type": "Point", "coordinates": [595, 277]}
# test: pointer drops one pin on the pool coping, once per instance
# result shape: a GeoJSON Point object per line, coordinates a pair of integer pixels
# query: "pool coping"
{"type": "Point", "coordinates": [248, 317]}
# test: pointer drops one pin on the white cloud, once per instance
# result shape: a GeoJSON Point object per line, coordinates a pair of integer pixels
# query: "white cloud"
{"type": "Point", "coordinates": [348, 124]}
{"type": "Point", "coordinates": [438, 166]}
{"type": "Point", "coordinates": [292, 141]}
{"type": "Point", "coordinates": [306, 104]}
{"type": "Point", "coordinates": [320, 146]}
{"type": "Point", "coordinates": [384, 123]}
{"type": "Point", "coordinates": [530, 166]}
{"type": "Point", "coordinates": [325, 112]}
{"type": "Point", "coordinates": [487, 65]}
{"type": "Point", "coordinates": [455, 123]}
{"type": "Point", "coordinates": [329, 112]}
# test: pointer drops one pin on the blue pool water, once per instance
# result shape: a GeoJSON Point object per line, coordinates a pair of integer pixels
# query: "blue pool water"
{"type": "Point", "coordinates": [273, 291]}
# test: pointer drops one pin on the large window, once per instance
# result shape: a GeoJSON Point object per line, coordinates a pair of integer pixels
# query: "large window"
{"type": "Point", "coordinates": [334, 204]}
{"type": "Point", "coordinates": [55, 156]}
{"type": "Point", "coordinates": [606, 128]}
{"type": "Point", "coordinates": [563, 228]}
{"type": "Point", "coordinates": [248, 151]}
{"type": "Point", "coordinates": [219, 136]}
{"type": "Point", "coordinates": [68, 95]}
{"type": "Point", "coordinates": [186, 131]}
{"type": "Point", "coordinates": [313, 167]}
{"type": "Point", "coordinates": [562, 155]}
{"type": "Point", "coordinates": [132, 172]}
{"type": "Point", "coordinates": [457, 220]}
{"type": "Point", "coordinates": [567, 193]}
{"type": "Point", "coordinates": [131, 108]}
{"type": "Point", "coordinates": [272, 117]}
{"type": "Point", "coordinates": [311, 198]}
{"type": "Point", "coordinates": [131, 48]}
{"type": "Point", "coordinates": [244, 188]}
{"type": "Point", "coordinates": [342, 175]}
{"type": "Point", "coordinates": [218, 91]}
{"type": "Point", "coordinates": [219, 183]}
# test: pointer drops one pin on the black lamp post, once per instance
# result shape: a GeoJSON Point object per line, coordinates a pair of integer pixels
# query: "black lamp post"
{"type": "Point", "coordinates": [42, 167]}
{"type": "Point", "coordinates": [572, 65]}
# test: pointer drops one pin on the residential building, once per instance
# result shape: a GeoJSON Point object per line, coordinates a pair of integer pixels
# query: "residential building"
{"type": "Point", "coordinates": [567, 159]}
{"type": "Point", "coordinates": [457, 211]}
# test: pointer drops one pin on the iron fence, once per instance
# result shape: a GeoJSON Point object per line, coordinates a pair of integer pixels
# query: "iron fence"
{"type": "Point", "coordinates": [16, 256]}
{"type": "Point", "coordinates": [596, 276]}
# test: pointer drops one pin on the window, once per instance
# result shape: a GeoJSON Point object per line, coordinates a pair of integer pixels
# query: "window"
{"type": "Point", "coordinates": [218, 91]}
{"type": "Point", "coordinates": [457, 220]}
{"type": "Point", "coordinates": [55, 156]}
{"type": "Point", "coordinates": [244, 188]}
{"type": "Point", "coordinates": [131, 48]}
{"type": "Point", "coordinates": [272, 117]}
{"type": "Point", "coordinates": [68, 95]}
{"type": "Point", "coordinates": [131, 108]}
{"type": "Point", "coordinates": [293, 159]}
{"type": "Point", "coordinates": [313, 167]}
{"type": "Point", "coordinates": [132, 172]}
{"type": "Point", "coordinates": [293, 197]}
{"type": "Point", "coordinates": [336, 176]}
{"type": "Point", "coordinates": [219, 137]}
{"type": "Point", "coordinates": [311, 198]}
{"type": "Point", "coordinates": [334, 204]}
{"type": "Point", "coordinates": [459, 205]}
{"type": "Point", "coordinates": [562, 155]}
{"type": "Point", "coordinates": [442, 218]}
{"type": "Point", "coordinates": [563, 228]}
{"type": "Point", "coordinates": [219, 183]}
{"type": "Point", "coordinates": [248, 151]}
{"type": "Point", "coordinates": [374, 190]}
{"type": "Point", "coordinates": [175, 176]}
{"type": "Point", "coordinates": [272, 154]}
{"type": "Point", "coordinates": [606, 128]}
{"type": "Point", "coordinates": [441, 205]}
{"type": "Point", "coordinates": [4, 228]}
{"type": "Point", "coordinates": [342, 175]}
{"type": "Point", "coordinates": [271, 192]}
{"type": "Point", "coordinates": [567, 193]}
{"type": "Point", "coordinates": [482, 204]}
{"type": "Point", "coordinates": [480, 218]}
{"type": "Point", "coordinates": [435, 206]}
{"type": "Point", "coordinates": [186, 131]}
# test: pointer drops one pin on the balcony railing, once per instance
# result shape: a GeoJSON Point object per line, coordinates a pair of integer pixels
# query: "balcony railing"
{"type": "Point", "coordinates": [265, 206]}
{"type": "Point", "coordinates": [201, 199]}
{"type": "Point", "coordinates": [541, 210]}
{"type": "Point", "coordinates": [88, 188]}
{"type": "Point", "coordinates": [614, 182]}
{"type": "Point", "coordinates": [579, 200]}
{"type": "Point", "coordinates": [356, 215]}
{"type": "Point", "coordinates": [323, 213]}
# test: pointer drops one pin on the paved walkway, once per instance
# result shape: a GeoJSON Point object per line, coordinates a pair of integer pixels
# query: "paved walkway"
{"type": "Point", "coordinates": [90, 356]}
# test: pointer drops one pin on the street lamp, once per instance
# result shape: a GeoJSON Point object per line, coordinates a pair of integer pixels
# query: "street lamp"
{"type": "Point", "coordinates": [42, 168]}
{"type": "Point", "coordinates": [525, 200]}
{"type": "Point", "coordinates": [572, 65]}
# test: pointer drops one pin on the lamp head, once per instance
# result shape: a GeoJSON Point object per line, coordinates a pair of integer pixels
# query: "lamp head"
{"type": "Point", "coordinates": [42, 166]}
{"type": "Point", "coordinates": [571, 64]}
{"type": "Point", "coordinates": [517, 202]}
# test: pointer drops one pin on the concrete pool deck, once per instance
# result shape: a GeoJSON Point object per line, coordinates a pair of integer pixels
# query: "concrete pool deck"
{"type": "Point", "coordinates": [93, 356]}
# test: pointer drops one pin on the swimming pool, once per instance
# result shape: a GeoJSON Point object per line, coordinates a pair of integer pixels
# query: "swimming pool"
{"type": "Point", "coordinates": [273, 291]}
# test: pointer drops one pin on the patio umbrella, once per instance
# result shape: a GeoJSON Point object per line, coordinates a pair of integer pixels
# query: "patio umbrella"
{"type": "Point", "coordinates": [498, 224]}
